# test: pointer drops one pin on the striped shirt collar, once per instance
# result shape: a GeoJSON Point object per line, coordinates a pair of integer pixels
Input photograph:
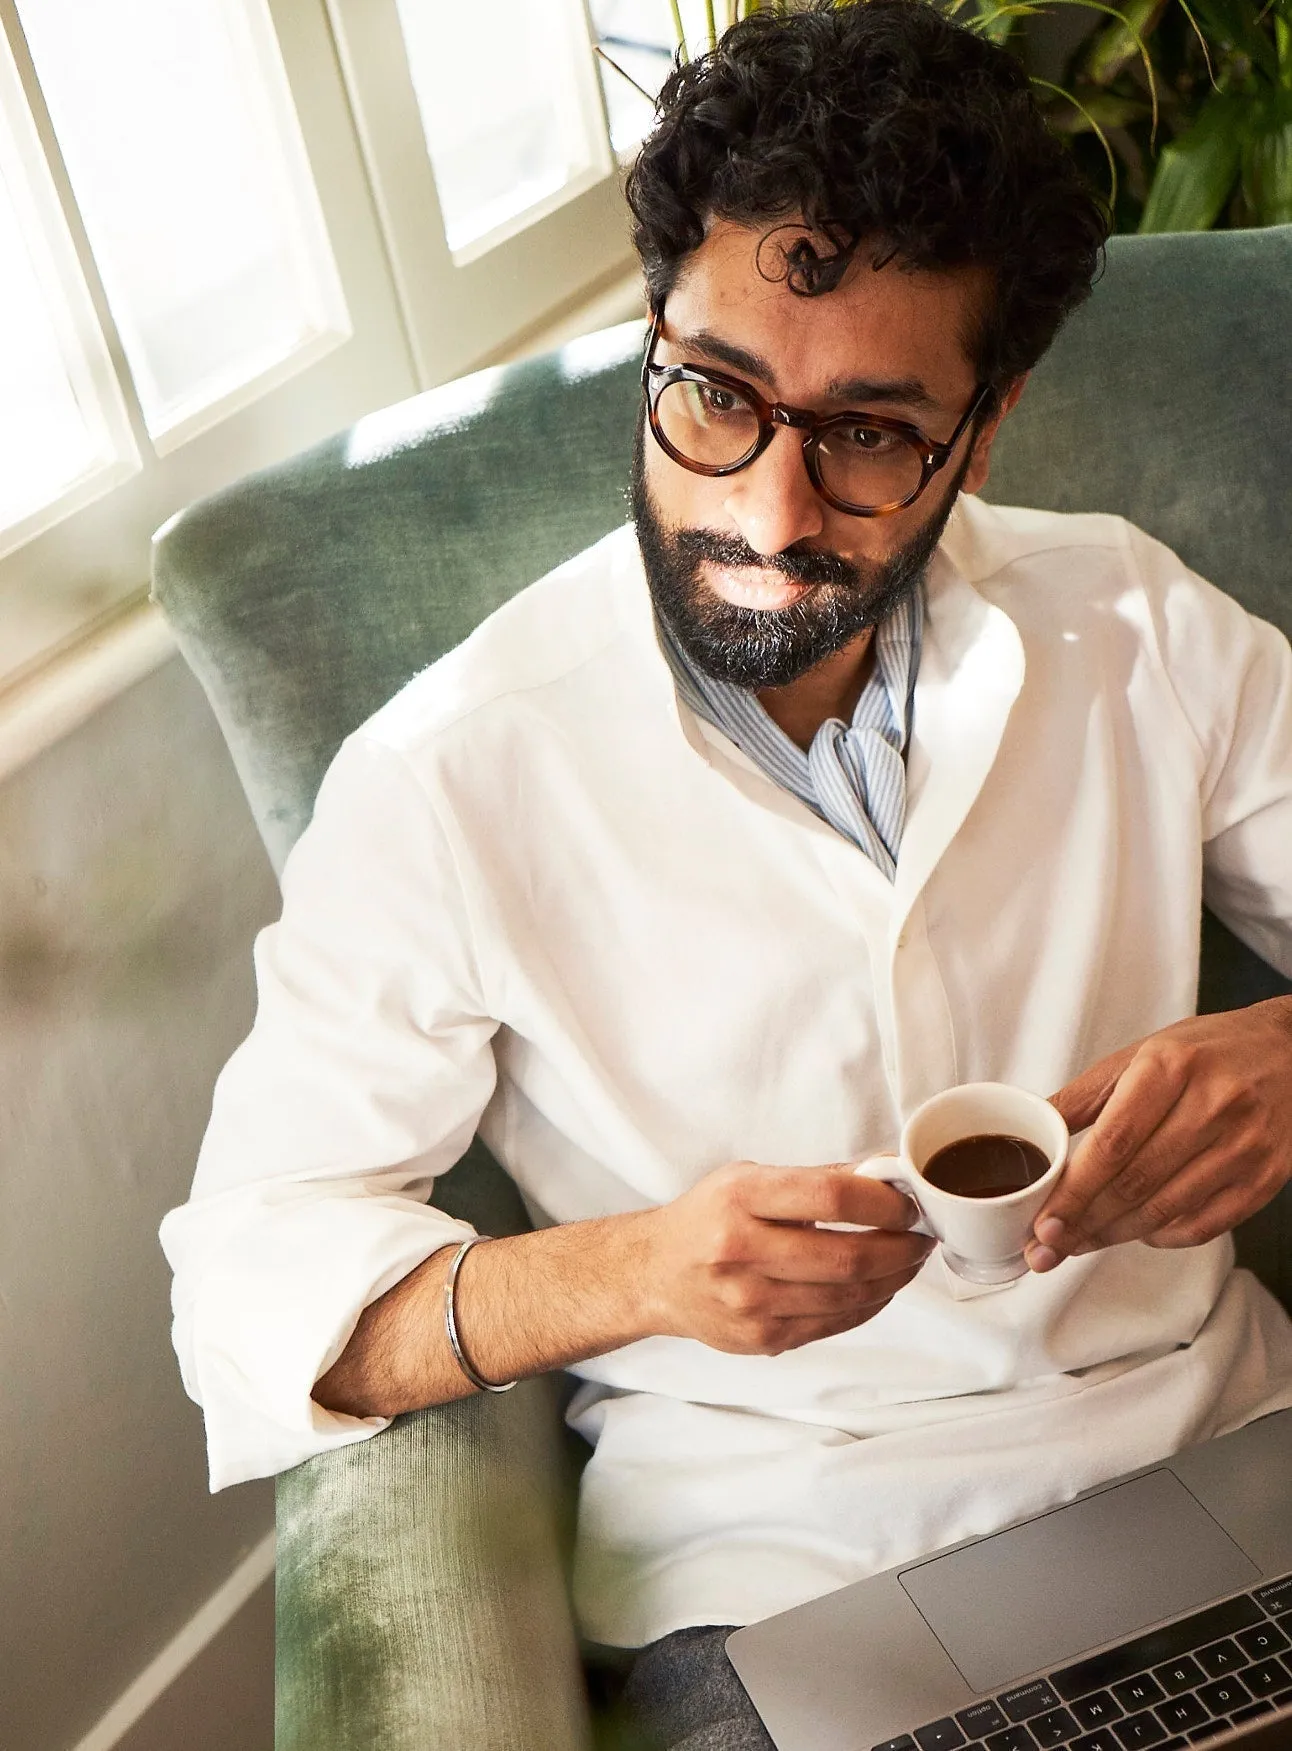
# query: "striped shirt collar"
{"type": "Point", "coordinates": [853, 775]}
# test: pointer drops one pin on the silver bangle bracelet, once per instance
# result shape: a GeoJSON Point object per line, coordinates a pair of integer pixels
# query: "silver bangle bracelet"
{"type": "Point", "coordinates": [451, 1320]}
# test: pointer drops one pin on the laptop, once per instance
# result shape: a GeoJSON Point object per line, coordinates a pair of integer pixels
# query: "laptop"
{"type": "Point", "coordinates": [1151, 1613]}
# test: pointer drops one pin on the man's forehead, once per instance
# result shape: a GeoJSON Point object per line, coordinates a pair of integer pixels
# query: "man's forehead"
{"type": "Point", "coordinates": [892, 325]}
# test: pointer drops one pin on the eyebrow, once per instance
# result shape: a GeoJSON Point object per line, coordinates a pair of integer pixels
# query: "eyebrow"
{"type": "Point", "coordinates": [850, 391]}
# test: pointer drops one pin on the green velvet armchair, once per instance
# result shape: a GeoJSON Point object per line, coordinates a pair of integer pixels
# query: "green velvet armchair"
{"type": "Point", "coordinates": [421, 1591]}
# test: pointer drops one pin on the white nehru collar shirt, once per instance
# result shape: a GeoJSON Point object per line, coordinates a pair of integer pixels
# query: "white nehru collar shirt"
{"type": "Point", "coordinates": [540, 898]}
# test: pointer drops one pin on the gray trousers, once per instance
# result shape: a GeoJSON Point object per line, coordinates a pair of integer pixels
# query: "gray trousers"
{"type": "Point", "coordinates": [682, 1694]}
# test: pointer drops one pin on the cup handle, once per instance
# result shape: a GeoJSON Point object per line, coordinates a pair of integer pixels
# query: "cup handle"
{"type": "Point", "coordinates": [892, 1170]}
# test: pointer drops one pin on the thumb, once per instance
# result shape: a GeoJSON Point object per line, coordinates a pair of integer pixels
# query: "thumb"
{"type": "Point", "coordinates": [1081, 1101]}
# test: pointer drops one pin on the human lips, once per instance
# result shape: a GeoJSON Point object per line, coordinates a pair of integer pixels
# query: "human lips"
{"type": "Point", "coordinates": [754, 586]}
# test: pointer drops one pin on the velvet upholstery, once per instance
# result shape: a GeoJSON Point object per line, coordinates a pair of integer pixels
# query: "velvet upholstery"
{"type": "Point", "coordinates": [420, 1601]}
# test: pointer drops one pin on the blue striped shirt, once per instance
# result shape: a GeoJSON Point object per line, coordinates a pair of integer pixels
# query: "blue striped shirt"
{"type": "Point", "coordinates": [853, 775]}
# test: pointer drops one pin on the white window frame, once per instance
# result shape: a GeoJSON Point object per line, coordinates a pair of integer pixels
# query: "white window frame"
{"type": "Point", "coordinates": [87, 559]}
{"type": "Point", "coordinates": [417, 315]}
{"type": "Point", "coordinates": [463, 308]}
{"type": "Point", "coordinates": [85, 354]}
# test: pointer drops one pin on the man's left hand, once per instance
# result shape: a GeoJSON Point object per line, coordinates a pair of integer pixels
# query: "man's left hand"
{"type": "Point", "coordinates": [1191, 1134]}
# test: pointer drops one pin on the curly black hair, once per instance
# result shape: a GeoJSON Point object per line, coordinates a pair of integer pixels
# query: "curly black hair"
{"type": "Point", "coordinates": [879, 124]}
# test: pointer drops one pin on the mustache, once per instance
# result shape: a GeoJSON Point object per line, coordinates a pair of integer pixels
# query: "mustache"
{"type": "Point", "coordinates": [801, 565]}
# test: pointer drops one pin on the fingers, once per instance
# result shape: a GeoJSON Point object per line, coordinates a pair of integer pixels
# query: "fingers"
{"type": "Point", "coordinates": [824, 1194]}
{"type": "Point", "coordinates": [1080, 1102]}
{"type": "Point", "coordinates": [1192, 1140]}
{"type": "Point", "coordinates": [1113, 1171]}
{"type": "Point", "coordinates": [1217, 1216]}
{"type": "Point", "coordinates": [828, 1301]}
{"type": "Point", "coordinates": [811, 1255]}
{"type": "Point", "coordinates": [773, 1335]}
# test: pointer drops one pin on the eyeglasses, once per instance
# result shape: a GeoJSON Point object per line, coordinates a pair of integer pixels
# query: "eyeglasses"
{"type": "Point", "coordinates": [860, 463]}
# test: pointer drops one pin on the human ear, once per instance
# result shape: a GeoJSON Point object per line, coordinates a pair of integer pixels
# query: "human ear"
{"type": "Point", "coordinates": [980, 457]}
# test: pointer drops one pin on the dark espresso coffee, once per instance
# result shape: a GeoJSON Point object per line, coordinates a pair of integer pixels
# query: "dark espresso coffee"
{"type": "Point", "coordinates": [986, 1166]}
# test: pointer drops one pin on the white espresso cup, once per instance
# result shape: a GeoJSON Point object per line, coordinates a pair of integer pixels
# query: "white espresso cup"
{"type": "Point", "coordinates": [982, 1238]}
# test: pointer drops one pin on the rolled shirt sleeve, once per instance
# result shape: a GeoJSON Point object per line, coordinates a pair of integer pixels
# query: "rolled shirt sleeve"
{"type": "Point", "coordinates": [364, 1077]}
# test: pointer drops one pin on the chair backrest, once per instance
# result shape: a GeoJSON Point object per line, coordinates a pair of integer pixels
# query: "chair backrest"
{"type": "Point", "coordinates": [304, 596]}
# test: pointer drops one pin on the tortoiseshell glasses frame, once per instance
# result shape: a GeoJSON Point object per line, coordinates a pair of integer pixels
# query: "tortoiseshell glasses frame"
{"type": "Point", "coordinates": [931, 455]}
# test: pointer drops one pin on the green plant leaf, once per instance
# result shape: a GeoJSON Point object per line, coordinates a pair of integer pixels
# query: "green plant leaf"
{"type": "Point", "coordinates": [1196, 173]}
{"type": "Point", "coordinates": [1117, 44]}
{"type": "Point", "coordinates": [1095, 129]}
{"type": "Point", "coordinates": [1102, 108]}
{"type": "Point", "coordinates": [1203, 44]}
{"type": "Point", "coordinates": [1283, 44]}
{"type": "Point", "coordinates": [1267, 162]}
{"type": "Point", "coordinates": [995, 22]}
{"type": "Point", "coordinates": [679, 28]}
{"type": "Point", "coordinates": [1120, 16]}
{"type": "Point", "coordinates": [1240, 25]}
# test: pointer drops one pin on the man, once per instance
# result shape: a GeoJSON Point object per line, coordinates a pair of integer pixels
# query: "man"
{"type": "Point", "coordinates": [701, 863]}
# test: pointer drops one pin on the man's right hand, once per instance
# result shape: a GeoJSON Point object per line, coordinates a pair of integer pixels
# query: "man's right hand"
{"type": "Point", "coordinates": [737, 1262]}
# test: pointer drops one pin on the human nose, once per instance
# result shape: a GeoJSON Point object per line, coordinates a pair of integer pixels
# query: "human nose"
{"type": "Point", "coordinates": [773, 502]}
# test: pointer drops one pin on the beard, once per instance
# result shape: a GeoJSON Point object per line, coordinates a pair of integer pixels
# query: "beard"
{"type": "Point", "coordinates": [770, 647]}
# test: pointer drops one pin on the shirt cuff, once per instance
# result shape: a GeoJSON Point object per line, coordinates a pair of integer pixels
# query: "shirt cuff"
{"type": "Point", "coordinates": [269, 1285]}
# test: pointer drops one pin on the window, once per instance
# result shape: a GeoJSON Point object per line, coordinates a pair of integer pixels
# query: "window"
{"type": "Point", "coordinates": [486, 140]}
{"type": "Point", "coordinates": [229, 228]}
{"type": "Point", "coordinates": [65, 436]}
{"type": "Point", "coordinates": [540, 133]}
{"type": "Point", "coordinates": [639, 37]}
{"type": "Point", "coordinates": [183, 298]}
{"type": "Point", "coordinates": [212, 251]}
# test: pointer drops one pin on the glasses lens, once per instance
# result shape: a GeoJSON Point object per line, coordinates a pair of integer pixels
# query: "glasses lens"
{"type": "Point", "coordinates": [867, 466]}
{"type": "Point", "coordinates": [707, 423]}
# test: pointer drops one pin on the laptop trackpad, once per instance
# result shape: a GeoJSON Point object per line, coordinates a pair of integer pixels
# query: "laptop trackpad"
{"type": "Point", "coordinates": [1095, 1571]}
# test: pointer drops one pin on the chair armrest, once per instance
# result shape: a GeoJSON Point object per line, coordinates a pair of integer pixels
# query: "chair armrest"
{"type": "Point", "coordinates": [421, 1597]}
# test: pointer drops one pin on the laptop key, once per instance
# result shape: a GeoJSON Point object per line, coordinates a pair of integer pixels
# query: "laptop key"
{"type": "Point", "coordinates": [1265, 1639]}
{"type": "Point", "coordinates": [1096, 1710]}
{"type": "Point", "coordinates": [1139, 1731]}
{"type": "Point", "coordinates": [1251, 1711]}
{"type": "Point", "coordinates": [1012, 1739]}
{"type": "Point", "coordinates": [1026, 1700]}
{"type": "Point", "coordinates": [1224, 1696]}
{"type": "Point", "coordinates": [943, 1735]}
{"type": "Point", "coordinates": [1220, 1658]}
{"type": "Point", "coordinates": [1276, 1596]}
{"type": "Point", "coordinates": [1056, 1728]}
{"type": "Point", "coordinates": [980, 1719]}
{"type": "Point", "coordinates": [1266, 1678]}
{"type": "Point", "coordinates": [1157, 1646]}
{"type": "Point", "coordinates": [1179, 1713]}
{"type": "Point", "coordinates": [1208, 1732]}
{"type": "Point", "coordinates": [1178, 1675]}
{"type": "Point", "coordinates": [903, 1742]}
{"type": "Point", "coordinates": [1102, 1740]}
{"type": "Point", "coordinates": [1139, 1692]}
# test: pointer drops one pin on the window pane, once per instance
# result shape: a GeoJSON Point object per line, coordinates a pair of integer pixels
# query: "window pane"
{"type": "Point", "coordinates": [64, 433]}
{"type": "Point", "coordinates": [46, 444]}
{"type": "Point", "coordinates": [182, 151]}
{"type": "Point", "coordinates": [638, 36]}
{"type": "Point", "coordinates": [503, 96]}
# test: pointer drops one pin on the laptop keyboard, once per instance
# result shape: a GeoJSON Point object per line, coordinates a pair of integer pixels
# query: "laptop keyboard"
{"type": "Point", "coordinates": [1165, 1689]}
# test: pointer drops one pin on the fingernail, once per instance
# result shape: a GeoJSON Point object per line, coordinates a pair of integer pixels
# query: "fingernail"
{"type": "Point", "coordinates": [1042, 1258]}
{"type": "Point", "coordinates": [1051, 1230]}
